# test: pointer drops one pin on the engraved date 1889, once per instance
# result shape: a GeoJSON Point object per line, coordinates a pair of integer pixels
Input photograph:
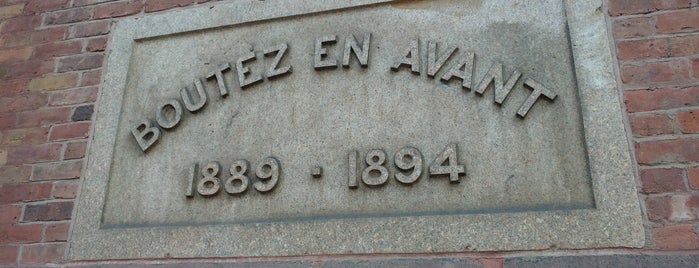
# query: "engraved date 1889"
{"type": "Point", "coordinates": [408, 162]}
{"type": "Point", "coordinates": [208, 180]}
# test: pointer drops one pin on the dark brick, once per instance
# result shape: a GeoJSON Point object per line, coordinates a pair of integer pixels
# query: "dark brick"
{"type": "Point", "coordinates": [56, 211]}
{"type": "Point", "coordinates": [83, 113]}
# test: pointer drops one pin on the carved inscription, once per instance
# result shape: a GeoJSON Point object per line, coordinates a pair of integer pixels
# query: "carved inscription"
{"type": "Point", "coordinates": [408, 161]}
{"type": "Point", "coordinates": [464, 69]}
{"type": "Point", "coordinates": [328, 55]}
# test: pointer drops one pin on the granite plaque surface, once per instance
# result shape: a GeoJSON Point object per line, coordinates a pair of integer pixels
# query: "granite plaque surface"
{"type": "Point", "coordinates": [272, 128]}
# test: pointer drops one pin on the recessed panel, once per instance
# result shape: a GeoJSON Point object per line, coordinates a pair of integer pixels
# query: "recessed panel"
{"type": "Point", "coordinates": [272, 128]}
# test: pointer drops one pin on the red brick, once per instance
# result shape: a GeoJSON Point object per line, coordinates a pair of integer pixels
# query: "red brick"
{"type": "Point", "coordinates": [658, 208]}
{"type": "Point", "coordinates": [27, 38]}
{"type": "Point", "coordinates": [118, 9]}
{"type": "Point", "coordinates": [75, 150]}
{"type": "Point", "coordinates": [20, 233]}
{"type": "Point", "coordinates": [18, 24]}
{"type": "Point", "coordinates": [41, 6]}
{"type": "Point", "coordinates": [70, 131]}
{"type": "Point", "coordinates": [34, 153]}
{"type": "Point", "coordinates": [667, 151]}
{"type": "Point", "coordinates": [662, 180]}
{"type": "Point", "coordinates": [15, 54]}
{"type": "Point", "coordinates": [44, 116]}
{"type": "Point", "coordinates": [684, 20]}
{"type": "Point", "coordinates": [26, 69]}
{"type": "Point", "coordinates": [91, 78]}
{"type": "Point", "coordinates": [675, 237]}
{"type": "Point", "coordinates": [69, 16]}
{"type": "Point", "coordinates": [57, 232]}
{"type": "Point", "coordinates": [25, 192]}
{"type": "Point", "coordinates": [695, 68]}
{"type": "Point", "coordinates": [65, 190]}
{"type": "Point", "coordinates": [651, 125]}
{"type": "Point", "coordinates": [11, 88]}
{"type": "Point", "coordinates": [693, 177]}
{"type": "Point", "coordinates": [55, 211]}
{"type": "Point", "coordinates": [14, 174]}
{"type": "Point", "coordinates": [53, 82]}
{"type": "Point", "coordinates": [9, 254]}
{"type": "Point", "coordinates": [689, 121]}
{"type": "Point", "coordinates": [7, 121]}
{"type": "Point", "coordinates": [684, 45]}
{"type": "Point", "coordinates": [158, 5]}
{"type": "Point", "coordinates": [24, 102]}
{"type": "Point", "coordinates": [92, 28]}
{"type": "Point", "coordinates": [80, 62]}
{"type": "Point", "coordinates": [9, 214]}
{"type": "Point", "coordinates": [96, 44]}
{"type": "Point", "coordinates": [655, 72]}
{"type": "Point", "coordinates": [661, 99]}
{"type": "Point", "coordinates": [51, 50]}
{"type": "Point", "coordinates": [626, 7]}
{"type": "Point", "coordinates": [642, 49]}
{"type": "Point", "coordinates": [43, 253]}
{"type": "Point", "coordinates": [73, 96]}
{"type": "Point", "coordinates": [57, 171]}
{"type": "Point", "coordinates": [24, 136]}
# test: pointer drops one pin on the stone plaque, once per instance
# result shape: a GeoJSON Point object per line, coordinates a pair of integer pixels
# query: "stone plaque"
{"type": "Point", "coordinates": [267, 128]}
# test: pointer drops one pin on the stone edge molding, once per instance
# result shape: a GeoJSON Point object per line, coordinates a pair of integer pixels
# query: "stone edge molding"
{"type": "Point", "coordinates": [616, 220]}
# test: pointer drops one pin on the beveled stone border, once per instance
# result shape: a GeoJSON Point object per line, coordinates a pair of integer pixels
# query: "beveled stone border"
{"type": "Point", "coordinates": [615, 222]}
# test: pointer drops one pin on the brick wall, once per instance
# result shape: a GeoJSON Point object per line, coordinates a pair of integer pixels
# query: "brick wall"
{"type": "Point", "coordinates": [51, 58]}
{"type": "Point", "coordinates": [657, 46]}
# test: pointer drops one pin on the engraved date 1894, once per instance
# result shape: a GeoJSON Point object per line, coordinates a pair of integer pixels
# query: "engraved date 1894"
{"type": "Point", "coordinates": [409, 164]}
